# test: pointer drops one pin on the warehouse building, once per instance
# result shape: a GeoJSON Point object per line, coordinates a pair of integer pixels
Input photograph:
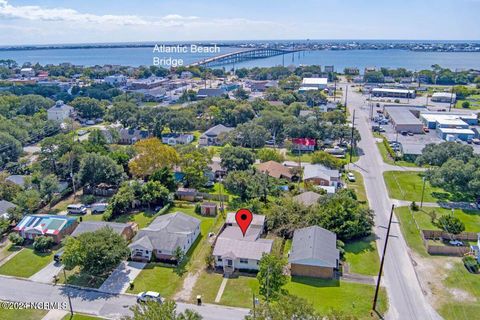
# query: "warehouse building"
{"type": "Point", "coordinates": [403, 119]}
{"type": "Point", "coordinates": [452, 134]}
{"type": "Point", "coordinates": [448, 120]}
{"type": "Point", "coordinates": [394, 93]}
{"type": "Point", "coordinates": [444, 97]}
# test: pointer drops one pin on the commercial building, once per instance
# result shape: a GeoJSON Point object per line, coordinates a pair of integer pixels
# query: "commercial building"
{"type": "Point", "coordinates": [56, 227]}
{"type": "Point", "coordinates": [403, 119]}
{"type": "Point", "coordinates": [313, 84]}
{"type": "Point", "coordinates": [394, 93]}
{"type": "Point", "coordinates": [452, 134]}
{"type": "Point", "coordinates": [209, 93]}
{"type": "Point", "coordinates": [448, 120]}
{"type": "Point", "coordinates": [444, 97]}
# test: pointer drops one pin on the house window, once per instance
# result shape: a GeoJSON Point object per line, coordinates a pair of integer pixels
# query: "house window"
{"type": "Point", "coordinates": [146, 251]}
{"type": "Point", "coordinates": [219, 259]}
{"type": "Point", "coordinates": [243, 260]}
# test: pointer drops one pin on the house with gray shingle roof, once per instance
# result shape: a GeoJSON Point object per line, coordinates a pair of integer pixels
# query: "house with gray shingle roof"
{"type": "Point", "coordinates": [210, 137]}
{"type": "Point", "coordinates": [4, 207]}
{"type": "Point", "coordinates": [126, 230]}
{"type": "Point", "coordinates": [164, 235]}
{"type": "Point", "coordinates": [307, 198]}
{"type": "Point", "coordinates": [314, 253]}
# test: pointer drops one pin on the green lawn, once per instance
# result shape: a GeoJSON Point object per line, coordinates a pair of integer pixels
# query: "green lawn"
{"type": "Point", "coordinates": [358, 186]}
{"type": "Point", "coordinates": [304, 157]}
{"type": "Point", "coordinates": [325, 295]}
{"type": "Point", "coordinates": [26, 263]}
{"type": "Point", "coordinates": [78, 278]}
{"type": "Point", "coordinates": [77, 316]}
{"type": "Point", "coordinates": [142, 218]}
{"type": "Point", "coordinates": [410, 231]}
{"type": "Point", "coordinates": [207, 286]}
{"type": "Point", "coordinates": [387, 159]}
{"type": "Point", "coordinates": [7, 250]}
{"type": "Point", "coordinates": [405, 185]}
{"type": "Point", "coordinates": [24, 314]}
{"type": "Point", "coordinates": [239, 292]}
{"type": "Point", "coordinates": [157, 277]}
{"type": "Point", "coordinates": [362, 256]}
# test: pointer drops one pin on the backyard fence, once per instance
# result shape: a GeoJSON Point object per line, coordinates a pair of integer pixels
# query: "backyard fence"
{"type": "Point", "coordinates": [448, 250]}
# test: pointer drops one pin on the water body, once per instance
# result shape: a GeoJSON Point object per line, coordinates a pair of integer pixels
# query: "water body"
{"type": "Point", "coordinates": [391, 58]}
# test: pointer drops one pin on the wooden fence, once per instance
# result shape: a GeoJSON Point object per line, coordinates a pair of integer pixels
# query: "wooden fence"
{"type": "Point", "coordinates": [448, 250]}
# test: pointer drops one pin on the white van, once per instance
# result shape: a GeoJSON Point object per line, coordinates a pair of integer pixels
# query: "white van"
{"type": "Point", "coordinates": [98, 207]}
{"type": "Point", "coordinates": [77, 209]}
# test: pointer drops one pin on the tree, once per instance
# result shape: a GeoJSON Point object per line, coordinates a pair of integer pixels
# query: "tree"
{"type": "Point", "coordinates": [48, 186]}
{"type": "Point", "coordinates": [165, 177]}
{"type": "Point", "coordinates": [154, 192]}
{"type": "Point", "coordinates": [249, 135]}
{"type": "Point", "coordinates": [374, 77]}
{"type": "Point", "coordinates": [271, 277]}
{"type": "Point", "coordinates": [287, 307]}
{"type": "Point", "coordinates": [96, 253]}
{"type": "Point", "coordinates": [121, 202]}
{"type": "Point", "coordinates": [43, 243]}
{"type": "Point", "coordinates": [4, 225]}
{"type": "Point", "coordinates": [194, 163]}
{"type": "Point", "coordinates": [15, 239]}
{"type": "Point", "coordinates": [179, 255]}
{"type": "Point", "coordinates": [88, 108]}
{"type": "Point", "coordinates": [465, 104]}
{"type": "Point", "coordinates": [236, 158]}
{"type": "Point", "coordinates": [8, 189]}
{"type": "Point", "coordinates": [327, 160]}
{"type": "Point", "coordinates": [11, 148]}
{"type": "Point", "coordinates": [451, 224]}
{"type": "Point", "coordinates": [96, 169]}
{"type": "Point", "coordinates": [251, 184]}
{"type": "Point", "coordinates": [28, 201]}
{"type": "Point", "coordinates": [32, 103]}
{"type": "Point", "coordinates": [152, 155]}
{"type": "Point", "coordinates": [315, 98]}
{"type": "Point", "coordinates": [240, 94]}
{"type": "Point", "coordinates": [268, 154]}
{"type": "Point", "coordinates": [161, 311]}
{"type": "Point", "coordinates": [438, 154]}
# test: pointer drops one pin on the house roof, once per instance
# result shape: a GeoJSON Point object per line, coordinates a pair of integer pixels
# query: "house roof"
{"type": "Point", "coordinates": [275, 169]}
{"type": "Point", "coordinates": [315, 81]}
{"type": "Point", "coordinates": [258, 220]}
{"type": "Point", "coordinates": [314, 246]}
{"type": "Point", "coordinates": [246, 249]}
{"type": "Point", "coordinates": [211, 92]}
{"type": "Point", "coordinates": [167, 232]}
{"type": "Point", "coordinates": [318, 171]}
{"type": "Point", "coordinates": [216, 130]}
{"type": "Point", "coordinates": [44, 224]}
{"type": "Point", "coordinates": [59, 105]}
{"type": "Point", "coordinates": [18, 179]}
{"type": "Point", "coordinates": [91, 226]}
{"type": "Point", "coordinates": [307, 198]}
{"type": "Point", "coordinates": [4, 206]}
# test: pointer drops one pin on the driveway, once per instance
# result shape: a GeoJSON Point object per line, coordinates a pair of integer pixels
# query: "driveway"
{"type": "Point", "coordinates": [46, 274]}
{"type": "Point", "coordinates": [120, 278]}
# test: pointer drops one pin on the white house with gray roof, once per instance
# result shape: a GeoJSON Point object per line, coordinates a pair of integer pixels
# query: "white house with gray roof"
{"type": "Point", "coordinates": [164, 235]}
{"type": "Point", "coordinates": [233, 251]}
{"type": "Point", "coordinates": [59, 112]}
{"type": "Point", "coordinates": [314, 253]}
{"type": "Point", "coordinates": [210, 137]}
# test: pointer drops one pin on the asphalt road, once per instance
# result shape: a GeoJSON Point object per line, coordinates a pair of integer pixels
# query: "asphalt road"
{"type": "Point", "coordinates": [406, 297]}
{"type": "Point", "coordinates": [97, 303]}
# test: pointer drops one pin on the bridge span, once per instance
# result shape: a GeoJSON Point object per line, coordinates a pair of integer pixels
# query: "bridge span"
{"type": "Point", "coordinates": [239, 56]}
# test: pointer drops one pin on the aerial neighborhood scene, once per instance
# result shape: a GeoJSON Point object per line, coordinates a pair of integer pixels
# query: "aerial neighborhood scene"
{"type": "Point", "coordinates": [261, 161]}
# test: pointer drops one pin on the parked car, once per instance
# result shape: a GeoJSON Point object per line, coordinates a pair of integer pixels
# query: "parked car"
{"type": "Point", "coordinates": [425, 129]}
{"type": "Point", "coordinates": [149, 296]}
{"type": "Point", "coordinates": [98, 207]}
{"type": "Point", "coordinates": [58, 255]}
{"type": "Point", "coordinates": [351, 177]}
{"type": "Point", "coordinates": [403, 133]}
{"type": "Point", "coordinates": [380, 129]}
{"type": "Point", "coordinates": [476, 141]}
{"type": "Point", "coordinates": [456, 243]}
{"type": "Point", "coordinates": [77, 208]}
{"type": "Point", "coordinates": [82, 132]}
{"type": "Point", "coordinates": [410, 133]}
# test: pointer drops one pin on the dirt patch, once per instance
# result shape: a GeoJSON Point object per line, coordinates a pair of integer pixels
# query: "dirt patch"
{"type": "Point", "coordinates": [188, 284]}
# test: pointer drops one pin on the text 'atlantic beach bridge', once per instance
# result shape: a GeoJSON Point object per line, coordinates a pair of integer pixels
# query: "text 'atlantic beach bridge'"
{"type": "Point", "coordinates": [239, 56]}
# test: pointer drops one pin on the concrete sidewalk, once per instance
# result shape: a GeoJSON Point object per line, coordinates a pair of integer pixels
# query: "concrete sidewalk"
{"type": "Point", "coordinates": [46, 274]}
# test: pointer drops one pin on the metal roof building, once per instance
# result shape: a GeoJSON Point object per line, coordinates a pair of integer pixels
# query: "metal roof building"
{"type": "Point", "coordinates": [404, 120]}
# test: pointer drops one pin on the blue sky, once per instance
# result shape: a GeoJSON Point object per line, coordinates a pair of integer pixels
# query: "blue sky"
{"type": "Point", "coordinates": [80, 21]}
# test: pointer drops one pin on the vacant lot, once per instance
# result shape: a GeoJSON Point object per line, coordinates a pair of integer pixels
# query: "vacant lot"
{"type": "Point", "coordinates": [362, 256]}
{"type": "Point", "coordinates": [158, 277]}
{"type": "Point", "coordinates": [404, 185]}
{"type": "Point", "coordinates": [26, 263]}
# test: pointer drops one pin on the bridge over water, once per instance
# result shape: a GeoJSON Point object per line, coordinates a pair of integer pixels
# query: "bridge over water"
{"type": "Point", "coordinates": [239, 56]}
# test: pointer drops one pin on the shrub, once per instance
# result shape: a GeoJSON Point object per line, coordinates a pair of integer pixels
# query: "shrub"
{"type": "Point", "coordinates": [451, 224]}
{"type": "Point", "coordinates": [341, 248]}
{"type": "Point", "coordinates": [42, 243]}
{"type": "Point", "coordinates": [327, 160]}
{"type": "Point", "coordinates": [88, 199]}
{"type": "Point", "coordinates": [197, 209]}
{"type": "Point", "coordinates": [465, 104]}
{"type": "Point", "coordinates": [414, 206]}
{"type": "Point", "coordinates": [15, 238]}
{"type": "Point", "coordinates": [471, 264]}
{"type": "Point", "coordinates": [390, 151]}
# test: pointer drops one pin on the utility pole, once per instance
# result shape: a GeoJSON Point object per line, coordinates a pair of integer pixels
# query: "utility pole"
{"type": "Point", "coordinates": [335, 91]}
{"type": "Point", "coordinates": [451, 99]}
{"type": "Point", "coordinates": [352, 139]}
{"type": "Point", "coordinates": [68, 294]}
{"type": "Point", "coordinates": [253, 301]}
{"type": "Point", "coordinates": [379, 278]}
{"type": "Point", "coordinates": [346, 98]}
{"type": "Point", "coordinates": [423, 191]}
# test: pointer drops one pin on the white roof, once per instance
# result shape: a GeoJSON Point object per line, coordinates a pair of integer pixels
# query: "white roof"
{"type": "Point", "coordinates": [245, 249]}
{"type": "Point", "coordinates": [307, 89]}
{"type": "Point", "coordinates": [392, 90]}
{"type": "Point", "coordinates": [317, 81]}
{"type": "Point", "coordinates": [444, 95]}
{"type": "Point", "coordinates": [456, 131]}
{"type": "Point", "coordinates": [258, 220]}
{"type": "Point", "coordinates": [452, 122]}
{"type": "Point", "coordinates": [434, 117]}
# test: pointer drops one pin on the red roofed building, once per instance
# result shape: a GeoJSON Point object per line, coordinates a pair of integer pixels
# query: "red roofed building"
{"type": "Point", "coordinates": [304, 144]}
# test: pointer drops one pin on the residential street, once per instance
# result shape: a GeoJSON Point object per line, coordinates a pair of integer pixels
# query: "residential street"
{"type": "Point", "coordinates": [97, 303]}
{"type": "Point", "coordinates": [406, 297]}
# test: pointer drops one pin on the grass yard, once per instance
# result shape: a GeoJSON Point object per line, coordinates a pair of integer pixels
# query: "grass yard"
{"type": "Point", "coordinates": [142, 218]}
{"type": "Point", "coordinates": [410, 231]}
{"type": "Point", "coordinates": [24, 314]}
{"type": "Point", "coordinates": [362, 256]}
{"type": "Point", "coordinates": [326, 295]}
{"type": "Point", "coordinates": [405, 185]}
{"type": "Point", "coordinates": [78, 316]}
{"type": "Point", "coordinates": [26, 263]}
{"type": "Point", "coordinates": [305, 156]}
{"type": "Point", "coordinates": [157, 277]}
{"type": "Point", "coordinates": [7, 250]}
{"type": "Point", "coordinates": [387, 159]}
{"type": "Point", "coordinates": [358, 186]}
{"type": "Point", "coordinates": [77, 278]}
{"type": "Point", "coordinates": [207, 286]}
{"type": "Point", "coordinates": [239, 292]}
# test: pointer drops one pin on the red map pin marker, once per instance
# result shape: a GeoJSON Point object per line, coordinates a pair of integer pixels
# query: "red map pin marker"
{"type": "Point", "coordinates": [244, 217]}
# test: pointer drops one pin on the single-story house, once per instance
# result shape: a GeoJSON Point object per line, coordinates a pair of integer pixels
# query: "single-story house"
{"type": "Point", "coordinates": [208, 209]}
{"type": "Point", "coordinates": [218, 172]}
{"type": "Point", "coordinates": [210, 137]}
{"type": "Point", "coordinates": [4, 208]}
{"type": "Point", "coordinates": [303, 144]}
{"type": "Point", "coordinates": [307, 198]}
{"type": "Point", "coordinates": [186, 194]}
{"type": "Point", "coordinates": [164, 235]}
{"type": "Point", "coordinates": [17, 179]}
{"type": "Point", "coordinates": [173, 139]}
{"type": "Point", "coordinates": [314, 253]}
{"type": "Point", "coordinates": [234, 251]}
{"type": "Point", "coordinates": [126, 230]}
{"type": "Point", "coordinates": [56, 227]}
{"type": "Point", "coordinates": [317, 174]}
{"type": "Point", "coordinates": [275, 170]}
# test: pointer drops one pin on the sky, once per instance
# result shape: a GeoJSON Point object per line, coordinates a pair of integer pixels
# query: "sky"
{"type": "Point", "coordinates": [88, 21]}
